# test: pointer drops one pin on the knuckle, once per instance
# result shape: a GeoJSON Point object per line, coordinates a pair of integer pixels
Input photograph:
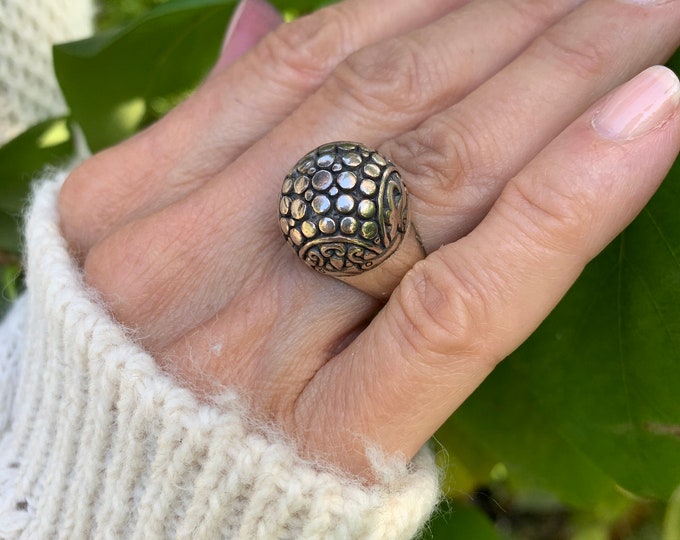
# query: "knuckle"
{"type": "Point", "coordinates": [308, 48]}
{"type": "Point", "coordinates": [71, 194]}
{"type": "Point", "coordinates": [440, 156]}
{"type": "Point", "coordinates": [557, 218]}
{"type": "Point", "coordinates": [441, 312]}
{"type": "Point", "coordinates": [389, 78]}
{"type": "Point", "coordinates": [108, 268]}
{"type": "Point", "coordinates": [133, 274]}
{"type": "Point", "coordinates": [541, 11]}
{"type": "Point", "coordinates": [103, 190]}
{"type": "Point", "coordinates": [585, 55]}
{"type": "Point", "coordinates": [77, 198]}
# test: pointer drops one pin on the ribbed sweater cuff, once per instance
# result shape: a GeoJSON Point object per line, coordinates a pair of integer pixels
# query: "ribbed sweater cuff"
{"type": "Point", "coordinates": [96, 441]}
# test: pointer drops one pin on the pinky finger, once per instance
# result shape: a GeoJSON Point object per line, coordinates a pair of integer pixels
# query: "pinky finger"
{"type": "Point", "coordinates": [468, 305]}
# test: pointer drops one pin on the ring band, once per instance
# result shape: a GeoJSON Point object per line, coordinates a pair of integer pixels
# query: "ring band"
{"type": "Point", "coordinates": [344, 210]}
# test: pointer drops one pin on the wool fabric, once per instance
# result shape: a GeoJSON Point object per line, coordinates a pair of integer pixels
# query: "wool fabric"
{"type": "Point", "coordinates": [97, 442]}
{"type": "Point", "coordinates": [28, 88]}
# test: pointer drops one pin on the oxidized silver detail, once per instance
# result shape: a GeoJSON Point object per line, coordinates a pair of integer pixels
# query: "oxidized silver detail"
{"type": "Point", "coordinates": [343, 208]}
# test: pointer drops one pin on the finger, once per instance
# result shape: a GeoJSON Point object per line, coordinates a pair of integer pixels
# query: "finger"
{"type": "Point", "coordinates": [471, 303]}
{"type": "Point", "coordinates": [227, 114]}
{"type": "Point", "coordinates": [456, 163]}
{"type": "Point", "coordinates": [497, 28]}
{"type": "Point", "coordinates": [385, 89]}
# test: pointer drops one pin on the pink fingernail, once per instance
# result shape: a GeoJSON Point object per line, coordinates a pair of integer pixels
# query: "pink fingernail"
{"type": "Point", "coordinates": [640, 105]}
{"type": "Point", "coordinates": [251, 21]}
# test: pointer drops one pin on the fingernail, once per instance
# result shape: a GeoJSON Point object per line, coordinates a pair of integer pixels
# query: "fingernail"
{"type": "Point", "coordinates": [640, 105]}
{"type": "Point", "coordinates": [251, 21]}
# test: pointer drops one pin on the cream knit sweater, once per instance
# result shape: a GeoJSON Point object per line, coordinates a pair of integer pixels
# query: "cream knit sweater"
{"type": "Point", "coordinates": [96, 441]}
{"type": "Point", "coordinates": [28, 89]}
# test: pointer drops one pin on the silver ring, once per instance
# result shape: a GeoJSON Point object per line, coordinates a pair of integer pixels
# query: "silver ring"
{"type": "Point", "coordinates": [344, 210]}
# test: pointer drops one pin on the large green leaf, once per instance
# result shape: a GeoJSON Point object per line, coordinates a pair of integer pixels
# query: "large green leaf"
{"type": "Point", "coordinates": [503, 423]}
{"type": "Point", "coordinates": [119, 80]}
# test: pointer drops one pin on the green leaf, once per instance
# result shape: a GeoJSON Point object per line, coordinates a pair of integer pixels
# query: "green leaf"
{"type": "Point", "coordinates": [671, 522]}
{"type": "Point", "coordinates": [119, 81]}
{"type": "Point", "coordinates": [24, 157]}
{"type": "Point", "coordinates": [21, 161]}
{"type": "Point", "coordinates": [504, 424]}
{"type": "Point", "coordinates": [113, 13]}
{"type": "Point", "coordinates": [455, 519]}
{"type": "Point", "coordinates": [10, 236]}
{"type": "Point", "coordinates": [10, 283]}
{"type": "Point", "coordinates": [300, 7]}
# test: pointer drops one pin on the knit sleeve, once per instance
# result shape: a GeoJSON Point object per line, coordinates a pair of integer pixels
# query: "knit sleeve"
{"type": "Point", "coordinates": [29, 91]}
{"type": "Point", "coordinates": [96, 441]}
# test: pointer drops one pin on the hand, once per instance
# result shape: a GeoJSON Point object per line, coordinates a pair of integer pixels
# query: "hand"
{"type": "Point", "coordinates": [519, 172]}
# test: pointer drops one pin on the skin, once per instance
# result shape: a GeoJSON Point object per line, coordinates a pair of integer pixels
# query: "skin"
{"type": "Point", "coordinates": [486, 107]}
